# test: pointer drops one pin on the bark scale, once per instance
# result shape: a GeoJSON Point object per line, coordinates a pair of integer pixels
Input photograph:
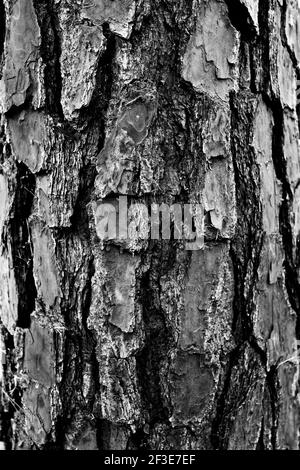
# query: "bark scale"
{"type": "Point", "coordinates": [144, 344]}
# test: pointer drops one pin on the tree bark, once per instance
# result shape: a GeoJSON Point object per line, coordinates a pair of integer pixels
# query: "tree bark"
{"type": "Point", "coordinates": [143, 344]}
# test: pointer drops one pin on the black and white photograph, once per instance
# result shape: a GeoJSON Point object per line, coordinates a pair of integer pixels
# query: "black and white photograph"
{"type": "Point", "coordinates": [149, 228]}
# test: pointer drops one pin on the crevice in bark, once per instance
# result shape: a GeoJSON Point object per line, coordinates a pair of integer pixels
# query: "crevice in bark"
{"type": "Point", "coordinates": [79, 350]}
{"type": "Point", "coordinates": [291, 278]}
{"type": "Point", "coordinates": [260, 442]}
{"type": "Point", "coordinates": [246, 255]}
{"type": "Point", "coordinates": [97, 110]}
{"type": "Point", "coordinates": [232, 397]}
{"type": "Point", "coordinates": [298, 97]}
{"type": "Point", "coordinates": [104, 79]}
{"type": "Point", "coordinates": [50, 53]}
{"type": "Point", "coordinates": [273, 385]}
{"type": "Point", "coordinates": [155, 350]}
{"type": "Point", "coordinates": [137, 441]}
{"type": "Point", "coordinates": [21, 245]}
{"type": "Point", "coordinates": [218, 433]}
{"type": "Point", "coordinates": [11, 395]}
{"type": "Point", "coordinates": [241, 19]}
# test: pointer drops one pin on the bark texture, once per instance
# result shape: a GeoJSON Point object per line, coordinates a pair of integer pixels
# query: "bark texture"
{"type": "Point", "coordinates": [141, 343]}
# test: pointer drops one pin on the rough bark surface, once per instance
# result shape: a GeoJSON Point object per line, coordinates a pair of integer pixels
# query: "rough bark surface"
{"type": "Point", "coordinates": [142, 344]}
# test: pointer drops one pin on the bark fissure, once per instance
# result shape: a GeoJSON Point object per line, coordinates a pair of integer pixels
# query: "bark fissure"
{"type": "Point", "coordinates": [22, 250]}
{"type": "Point", "coordinates": [80, 411]}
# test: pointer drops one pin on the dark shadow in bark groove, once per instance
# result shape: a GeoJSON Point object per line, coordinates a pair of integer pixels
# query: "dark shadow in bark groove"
{"type": "Point", "coordinates": [81, 344]}
{"type": "Point", "coordinates": [21, 245]}
{"type": "Point", "coordinates": [8, 407]}
{"type": "Point", "coordinates": [246, 254]}
{"type": "Point", "coordinates": [280, 165]}
{"type": "Point", "coordinates": [2, 33]}
{"type": "Point", "coordinates": [285, 42]}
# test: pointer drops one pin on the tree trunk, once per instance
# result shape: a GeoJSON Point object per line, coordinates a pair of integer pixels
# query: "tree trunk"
{"type": "Point", "coordinates": [141, 343]}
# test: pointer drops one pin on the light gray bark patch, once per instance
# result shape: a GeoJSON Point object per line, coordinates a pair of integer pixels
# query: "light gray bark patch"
{"type": "Point", "coordinates": [219, 199]}
{"type": "Point", "coordinates": [292, 147]}
{"type": "Point", "coordinates": [27, 134]}
{"type": "Point", "coordinates": [22, 70]}
{"type": "Point", "coordinates": [210, 61]}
